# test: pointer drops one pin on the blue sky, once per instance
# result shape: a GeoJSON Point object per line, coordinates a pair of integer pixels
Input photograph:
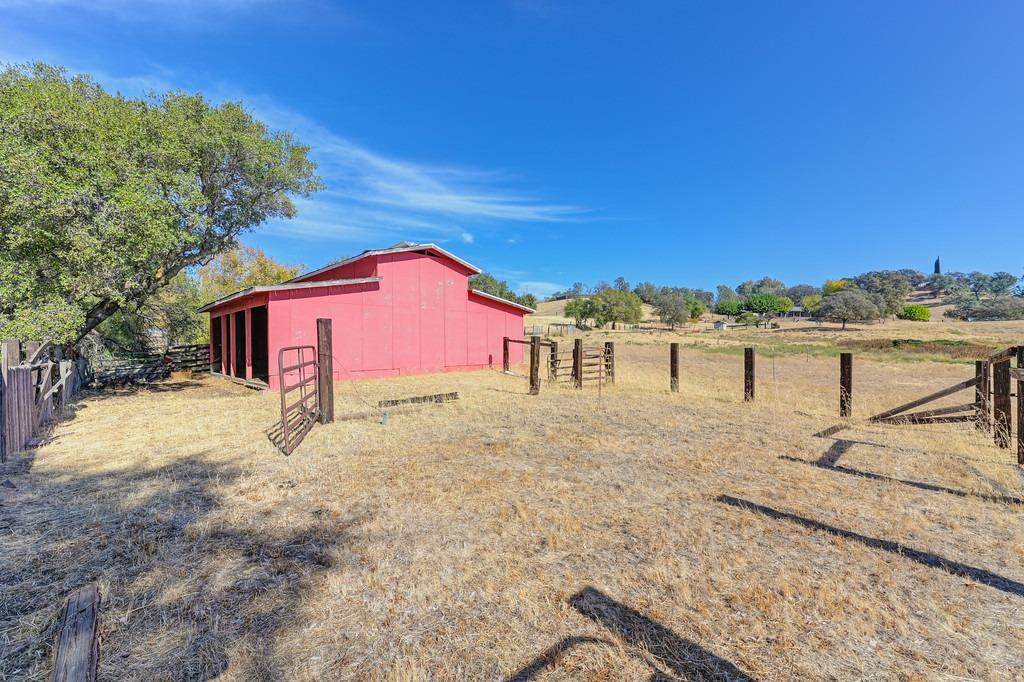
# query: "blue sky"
{"type": "Point", "coordinates": [551, 142]}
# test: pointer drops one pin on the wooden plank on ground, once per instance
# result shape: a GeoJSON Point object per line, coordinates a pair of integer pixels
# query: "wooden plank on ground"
{"type": "Point", "coordinates": [434, 398]}
{"type": "Point", "coordinates": [78, 644]}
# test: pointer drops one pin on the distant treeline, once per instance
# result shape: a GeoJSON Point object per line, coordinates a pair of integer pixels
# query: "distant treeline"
{"type": "Point", "coordinates": [870, 295]}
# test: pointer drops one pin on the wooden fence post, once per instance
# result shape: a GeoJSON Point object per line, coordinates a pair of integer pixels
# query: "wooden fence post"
{"type": "Point", "coordinates": [77, 648]}
{"type": "Point", "coordinates": [577, 363]}
{"type": "Point", "coordinates": [504, 354]}
{"type": "Point", "coordinates": [748, 374]}
{"type": "Point", "coordinates": [981, 395]}
{"type": "Point", "coordinates": [673, 367]}
{"type": "Point", "coordinates": [609, 361]}
{"type": "Point", "coordinates": [845, 384]}
{"type": "Point", "coordinates": [534, 365]}
{"type": "Point", "coordinates": [1001, 402]}
{"type": "Point", "coordinates": [553, 362]}
{"type": "Point", "coordinates": [325, 370]}
{"type": "Point", "coordinates": [1020, 406]}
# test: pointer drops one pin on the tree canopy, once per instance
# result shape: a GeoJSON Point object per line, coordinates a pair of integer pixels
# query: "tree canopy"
{"type": "Point", "coordinates": [847, 304]}
{"type": "Point", "coordinates": [489, 284]}
{"type": "Point", "coordinates": [105, 199]}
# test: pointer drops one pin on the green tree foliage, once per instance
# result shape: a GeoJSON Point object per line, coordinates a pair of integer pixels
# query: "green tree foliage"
{"type": "Point", "coordinates": [765, 285]}
{"type": "Point", "coordinates": [612, 305]}
{"type": "Point", "coordinates": [621, 284]}
{"type": "Point", "coordinates": [240, 268]}
{"type": "Point", "coordinates": [677, 307]}
{"type": "Point", "coordinates": [489, 284]}
{"type": "Point", "coordinates": [767, 305]}
{"type": "Point", "coordinates": [831, 286]}
{"type": "Point", "coordinates": [892, 286]}
{"type": "Point", "coordinates": [847, 304]}
{"type": "Point", "coordinates": [725, 293]}
{"type": "Point", "coordinates": [105, 199]}
{"type": "Point", "coordinates": [580, 310]}
{"type": "Point", "coordinates": [646, 291]}
{"type": "Point", "coordinates": [915, 312]}
{"type": "Point", "coordinates": [731, 307]}
{"type": "Point", "coordinates": [809, 303]}
{"type": "Point", "coordinates": [1002, 283]}
{"type": "Point", "coordinates": [170, 317]}
{"type": "Point", "coordinates": [798, 292]}
{"type": "Point", "coordinates": [1001, 308]}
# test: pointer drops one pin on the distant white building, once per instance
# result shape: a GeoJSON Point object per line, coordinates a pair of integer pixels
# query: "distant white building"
{"type": "Point", "coordinates": [721, 325]}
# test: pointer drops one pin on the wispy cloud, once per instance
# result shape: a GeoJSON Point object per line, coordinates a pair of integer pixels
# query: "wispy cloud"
{"type": "Point", "coordinates": [368, 191]}
{"type": "Point", "coordinates": [539, 289]}
{"type": "Point", "coordinates": [179, 15]}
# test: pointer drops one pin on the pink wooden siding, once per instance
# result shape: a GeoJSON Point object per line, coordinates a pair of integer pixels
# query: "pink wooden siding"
{"type": "Point", "coordinates": [420, 317]}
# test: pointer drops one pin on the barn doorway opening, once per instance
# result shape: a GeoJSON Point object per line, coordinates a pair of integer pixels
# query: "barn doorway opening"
{"type": "Point", "coordinates": [260, 356]}
{"type": "Point", "coordinates": [238, 368]}
{"type": "Point", "coordinates": [216, 345]}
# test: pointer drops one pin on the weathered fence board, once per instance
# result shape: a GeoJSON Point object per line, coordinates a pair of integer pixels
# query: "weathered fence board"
{"type": "Point", "coordinates": [78, 644]}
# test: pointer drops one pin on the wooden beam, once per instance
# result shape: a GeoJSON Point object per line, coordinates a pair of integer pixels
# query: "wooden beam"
{"type": "Point", "coordinates": [749, 360]}
{"type": "Point", "coordinates": [78, 644]}
{"type": "Point", "coordinates": [553, 361]}
{"type": "Point", "coordinates": [535, 365]}
{"type": "Point", "coordinates": [577, 363]}
{"type": "Point", "coordinates": [937, 412]}
{"type": "Point", "coordinates": [963, 385]}
{"type": "Point", "coordinates": [1020, 405]}
{"type": "Point", "coordinates": [845, 384]}
{"type": "Point", "coordinates": [609, 360]}
{"type": "Point", "coordinates": [1001, 403]}
{"type": "Point", "coordinates": [504, 355]}
{"type": "Point", "coordinates": [434, 398]}
{"type": "Point", "coordinates": [325, 371]}
{"type": "Point", "coordinates": [673, 367]}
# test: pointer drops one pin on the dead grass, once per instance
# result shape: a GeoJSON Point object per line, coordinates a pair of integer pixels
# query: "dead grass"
{"type": "Point", "coordinates": [459, 541]}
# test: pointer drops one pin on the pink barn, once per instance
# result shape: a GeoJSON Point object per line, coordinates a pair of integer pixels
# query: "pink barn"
{"type": "Point", "coordinates": [407, 309]}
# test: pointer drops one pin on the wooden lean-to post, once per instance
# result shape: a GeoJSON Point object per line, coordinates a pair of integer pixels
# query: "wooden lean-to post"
{"type": "Point", "coordinates": [325, 370]}
{"type": "Point", "coordinates": [504, 354]}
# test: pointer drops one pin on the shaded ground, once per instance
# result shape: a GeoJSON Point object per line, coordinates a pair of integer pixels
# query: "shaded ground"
{"type": "Point", "coordinates": [635, 535]}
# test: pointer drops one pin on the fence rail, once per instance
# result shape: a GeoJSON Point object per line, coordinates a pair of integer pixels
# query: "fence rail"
{"type": "Point", "coordinates": [146, 367]}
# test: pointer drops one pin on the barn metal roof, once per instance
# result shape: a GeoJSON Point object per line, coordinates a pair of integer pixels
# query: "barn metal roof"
{"type": "Point", "coordinates": [285, 287]}
{"type": "Point", "coordinates": [499, 299]}
{"type": "Point", "coordinates": [401, 247]}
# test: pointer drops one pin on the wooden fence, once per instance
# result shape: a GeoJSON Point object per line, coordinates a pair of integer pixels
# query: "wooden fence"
{"type": "Point", "coordinates": [36, 383]}
{"type": "Point", "coordinates": [146, 367]}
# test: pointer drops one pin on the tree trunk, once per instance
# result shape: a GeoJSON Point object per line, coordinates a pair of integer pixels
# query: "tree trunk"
{"type": "Point", "coordinates": [844, 325]}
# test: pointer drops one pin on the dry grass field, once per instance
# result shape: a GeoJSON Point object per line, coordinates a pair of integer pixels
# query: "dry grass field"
{"type": "Point", "coordinates": [635, 534]}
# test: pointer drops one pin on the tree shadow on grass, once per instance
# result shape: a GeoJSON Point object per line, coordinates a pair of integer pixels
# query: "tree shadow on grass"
{"type": "Point", "coordinates": [920, 485]}
{"type": "Point", "coordinates": [185, 587]}
{"type": "Point", "coordinates": [648, 639]}
{"type": "Point", "coordinates": [920, 556]}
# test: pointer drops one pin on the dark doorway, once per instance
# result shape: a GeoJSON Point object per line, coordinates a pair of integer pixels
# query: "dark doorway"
{"type": "Point", "coordinates": [260, 359]}
{"type": "Point", "coordinates": [216, 344]}
{"type": "Point", "coordinates": [239, 368]}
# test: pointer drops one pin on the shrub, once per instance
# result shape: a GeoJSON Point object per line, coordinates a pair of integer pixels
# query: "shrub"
{"type": "Point", "coordinates": [917, 313]}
